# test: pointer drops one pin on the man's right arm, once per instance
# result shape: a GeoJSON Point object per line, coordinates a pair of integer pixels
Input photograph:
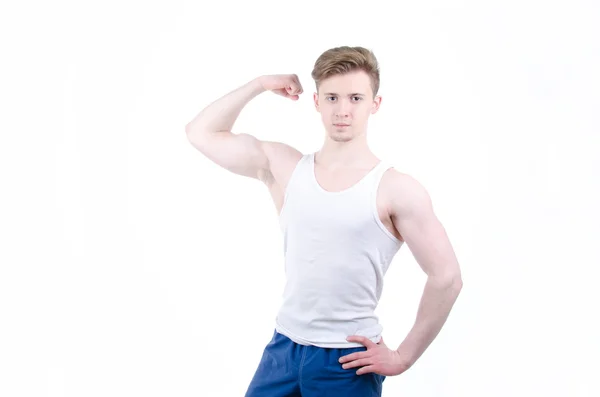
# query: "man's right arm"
{"type": "Point", "coordinates": [210, 133]}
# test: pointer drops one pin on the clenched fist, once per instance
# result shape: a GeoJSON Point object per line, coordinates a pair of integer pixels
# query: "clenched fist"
{"type": "Point", "coordinates": [286, 85]}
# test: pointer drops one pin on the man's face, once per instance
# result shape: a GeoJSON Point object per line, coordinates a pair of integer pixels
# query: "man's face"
{"type": "Point", "coordinates": [345, 103]}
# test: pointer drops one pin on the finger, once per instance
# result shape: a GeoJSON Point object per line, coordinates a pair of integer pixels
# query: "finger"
{"type": "Point", "coordinates": [362, 340]}
{"type": "Point", "coordinates": [294, 88]}
{"type": "Point", "coordinates": [357, 363]}
{"type": "Point", "coordinates": [292, 96]}
{"type": "Point", "coordinates": [284, 93]}
{"type": "Point", "coordinates": [296, 80]}
{"type": "Point", "coordinates": [381, 342]}
{"type": "Point", "coordinates": [366, 370]}
{"type": "Point", "coordinates": [353, 356]}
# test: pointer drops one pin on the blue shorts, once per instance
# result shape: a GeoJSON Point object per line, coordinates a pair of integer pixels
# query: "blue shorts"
{"type": "Point", "coordinates": [288, 369]}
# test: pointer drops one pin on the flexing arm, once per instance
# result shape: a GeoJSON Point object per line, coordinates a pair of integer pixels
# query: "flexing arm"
{"type": "Point", "coordinates": [210, 131]}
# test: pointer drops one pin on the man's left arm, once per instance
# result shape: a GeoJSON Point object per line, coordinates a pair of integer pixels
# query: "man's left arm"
{"type": "Point", "coordinates": [414, 218]}
{"type": "Point", "coordinates": [412, 213]}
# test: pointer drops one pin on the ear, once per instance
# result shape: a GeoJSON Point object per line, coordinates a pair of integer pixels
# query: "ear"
{"type": "Point", "coordinates": [316, 100]}
{"type": "Point", "coordinates": [376, 104]}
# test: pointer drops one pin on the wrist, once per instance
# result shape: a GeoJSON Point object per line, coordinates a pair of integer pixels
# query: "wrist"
{"type": "Point", "coordinates": [258, 84]}
{"type": "Point", "coordinates": [401, 364]}
{"type": "Point", "coordinates": [406, 356]}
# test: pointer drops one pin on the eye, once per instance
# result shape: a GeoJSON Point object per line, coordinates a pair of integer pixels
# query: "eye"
{"type": "Point", "coordinates": [330, 97]}
{"type": "Point", "coordinates": [359, 98]}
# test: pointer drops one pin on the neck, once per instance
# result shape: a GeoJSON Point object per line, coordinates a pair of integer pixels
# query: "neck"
{"type": "Point", "coordinates": [353, 153]}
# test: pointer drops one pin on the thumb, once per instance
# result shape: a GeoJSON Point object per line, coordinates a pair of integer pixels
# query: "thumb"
{"type": "Point", "coordinates": [284, 93]}
{"type": "Point", "coordinates": [381, 342]}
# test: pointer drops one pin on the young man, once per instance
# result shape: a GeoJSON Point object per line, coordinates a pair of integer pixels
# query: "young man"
{"type": "Point", "coordinates": [344, 215]}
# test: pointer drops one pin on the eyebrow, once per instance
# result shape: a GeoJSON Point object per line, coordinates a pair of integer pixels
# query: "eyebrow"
{"type": "Point", "coordinates": [353, 94]}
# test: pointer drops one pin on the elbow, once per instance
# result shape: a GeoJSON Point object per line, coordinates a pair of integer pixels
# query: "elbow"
{"type": "Point", "coordinates": [449, 282]}
{"type": "Point", "coordinates": [454, 280]}
{"type": "Point", "coordinates": [188, 128]}
{"type": "Point", "coordinates": [191, 136]}
{"type": "Point", "coordinates": [193, 128]}
{"type": "Point", "coordinates": [457, 284]}
{"type": "Point", "coordinates": [190, 132]}
{"type": "Point", "coordinates": [195, 136]}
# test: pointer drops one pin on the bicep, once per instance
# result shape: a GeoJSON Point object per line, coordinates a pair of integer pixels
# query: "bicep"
{"type": "Point", "coordinates": [242, 154]}
{"type": "Point", "coordinates": [421, 229]}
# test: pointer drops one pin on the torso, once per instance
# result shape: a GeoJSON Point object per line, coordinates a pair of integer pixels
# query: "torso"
{"type": "Point", "coordinates": [285, 160]}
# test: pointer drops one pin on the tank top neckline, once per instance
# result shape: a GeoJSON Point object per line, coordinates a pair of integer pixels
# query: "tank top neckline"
{"type": "Point", "coordinates": [346, 190]}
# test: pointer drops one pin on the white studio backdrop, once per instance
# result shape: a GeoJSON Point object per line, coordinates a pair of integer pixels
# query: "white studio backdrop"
{"type": "Point", "coordinates": [132, 266]}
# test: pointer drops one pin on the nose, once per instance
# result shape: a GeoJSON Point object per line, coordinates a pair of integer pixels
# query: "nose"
{"type": "Point", "coordinates": [343, 109]}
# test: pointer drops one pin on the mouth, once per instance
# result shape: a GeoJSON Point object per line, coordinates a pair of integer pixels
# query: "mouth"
{"type": "Point", "coordinates": [342, 125]}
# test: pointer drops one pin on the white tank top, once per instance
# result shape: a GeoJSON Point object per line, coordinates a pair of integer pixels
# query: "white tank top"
{"type": "Point", "coordinates": [337, 252]}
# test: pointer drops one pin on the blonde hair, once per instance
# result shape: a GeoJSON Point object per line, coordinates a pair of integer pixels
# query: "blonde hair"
{"type": "Point", "coordinates": [345, 59]}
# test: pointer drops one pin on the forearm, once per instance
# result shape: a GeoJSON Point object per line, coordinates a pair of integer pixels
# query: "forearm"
{"type": "Point", "coordinates": [438, 298]}
{"type": "Point", "coordinates": [221, 114]}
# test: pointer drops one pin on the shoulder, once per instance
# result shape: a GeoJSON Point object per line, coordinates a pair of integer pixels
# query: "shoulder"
{"type": "Point", "coordinates": [281, 154]}
{"type": "Point", "coordinates": [404, 194]}
{"type": "Point", "coordinates": [282, 160]}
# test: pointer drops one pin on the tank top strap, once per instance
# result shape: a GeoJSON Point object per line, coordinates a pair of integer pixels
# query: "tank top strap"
{"type": "Point", "coordinates": [299, 176]}
{"type": "Point", "coordinates": [378, 172]}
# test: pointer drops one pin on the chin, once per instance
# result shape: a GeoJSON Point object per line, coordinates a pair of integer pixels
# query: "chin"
{"type": "Point", "coordinates": [340, 137]}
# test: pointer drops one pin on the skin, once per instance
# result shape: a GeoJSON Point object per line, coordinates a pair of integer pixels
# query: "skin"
{"type": "Point", "coordinates": [403, 204]}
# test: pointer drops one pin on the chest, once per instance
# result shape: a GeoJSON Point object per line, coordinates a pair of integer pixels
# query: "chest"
{"type": "Point", "coordinates": [335, 181]}
{"type": "Point", "coordinates": [345, 203]}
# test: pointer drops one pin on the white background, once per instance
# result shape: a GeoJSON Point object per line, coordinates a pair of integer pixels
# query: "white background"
{"type": "Point", "coordinates": [132, 266]}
